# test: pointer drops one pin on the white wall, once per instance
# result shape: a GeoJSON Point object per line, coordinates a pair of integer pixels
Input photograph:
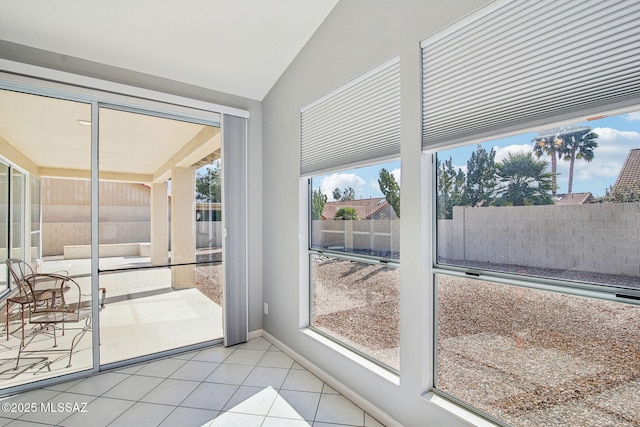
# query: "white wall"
{"type": "Point", "coordinates": [356, 36]}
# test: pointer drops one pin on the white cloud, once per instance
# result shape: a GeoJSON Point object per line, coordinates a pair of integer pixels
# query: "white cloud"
{"type": "Point", "coordinates": [374, 185]}
{"type": "Point", "coordinates": [503, 152]}
{"type": "Point", "coordinates": [396, 174]}
{"type": "Point", "coordinates": [341, 181]}
{"type": "Point", "coordinates": [633, 117]}
{"type": "Point", "coordinates": [615, 136]}
{"type": "Point", "coordinates": [602, 171]}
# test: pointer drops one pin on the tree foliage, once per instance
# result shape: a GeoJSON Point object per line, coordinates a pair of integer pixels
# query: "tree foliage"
{"type": "Point", "coordinates": [523, 181]}
{"type": "Point", "coordinates": [208, 185]}
{"type": "Point", "coordinates": [337, 194]}
{"type": "Point", "coordinates": [623, 194]}
{"type": "Point", "coordinates": [450, 192]}
{"type": "Point", "coordinates": [348, 193]}
{"type": "Point", "coordinates": [391, 190]}
{"type": "Point", "coordinates": [318, 201]}
{"type": "Point", "coordinates": [346, 213]}
{"type": "Point", "coordinates": [481, 178]}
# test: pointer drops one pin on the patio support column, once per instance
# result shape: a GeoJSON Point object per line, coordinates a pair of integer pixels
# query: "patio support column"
{"type": "Point", "coordinates": [183, 226]}
{"type": "Point", "coordinates": [159, 224]}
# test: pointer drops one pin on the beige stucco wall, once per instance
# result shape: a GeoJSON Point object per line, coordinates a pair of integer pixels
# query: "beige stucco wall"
{"type": "Point", "coordinates": [599, 237]}
{"type": "Point", "coordinates": [66, 213]}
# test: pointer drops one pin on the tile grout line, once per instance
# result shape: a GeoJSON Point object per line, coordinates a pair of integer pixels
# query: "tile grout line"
{"type": "Point", "coordinates": [139, 400]}
{"type": "Point", "coordinates": [200, 383]}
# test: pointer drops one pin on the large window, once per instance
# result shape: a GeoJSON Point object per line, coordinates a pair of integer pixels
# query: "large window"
{"type": "Point", "coordinates": [354, 259]}
{"type": "Point", "coordinates": [537, 358]}
{"type": "Point", "coordinates": [562, 203]}
{"type": "Point", "coordinates": [354, 232]}
{"type": "Point", "coordinates": [537, 274]}
{"type": "Point", "coordinates": [536, 254]}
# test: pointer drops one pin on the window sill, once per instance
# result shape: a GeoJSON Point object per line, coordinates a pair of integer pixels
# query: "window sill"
{"type": "Point", "coordinates": [457, 410]}
{"type": "Point", "coordinates": [354, 357]}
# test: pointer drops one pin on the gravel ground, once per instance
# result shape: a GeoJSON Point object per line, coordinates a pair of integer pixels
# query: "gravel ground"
{"type": "Point", "coordinates": [209, 282]}
{"type": "Point", "coordinates": [359, 304]}
{"type": "Point", "coordinates": [529, 358]}
{"type": "Point", "coordinates": [536, 358]}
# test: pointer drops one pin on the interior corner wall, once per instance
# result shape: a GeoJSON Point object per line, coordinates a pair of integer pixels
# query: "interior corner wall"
{"type": "Point", "coordinates": [32, 56]}
{"type": "Point", "coordinates": [356, 36]}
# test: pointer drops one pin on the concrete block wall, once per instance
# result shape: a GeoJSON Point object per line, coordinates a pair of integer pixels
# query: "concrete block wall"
{"type": "Point", "coordinates": [377, 235]}
{"type": "Point", "coordinates": [600, 238]}
{"type": "Point", "coordinates": [124, 216]}
{"type": "Point", "coordinates": [124, 213]}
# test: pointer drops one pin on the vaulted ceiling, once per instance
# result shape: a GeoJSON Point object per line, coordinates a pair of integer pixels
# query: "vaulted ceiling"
{"type": "Point", "coordinates": [240, 47]}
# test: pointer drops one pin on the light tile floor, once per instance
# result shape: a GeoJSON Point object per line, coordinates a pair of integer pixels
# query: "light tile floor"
{"type": "Point", "coordinates": [252, 384]}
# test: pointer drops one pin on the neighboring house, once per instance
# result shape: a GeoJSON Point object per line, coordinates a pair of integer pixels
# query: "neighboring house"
{"type": "Point", "coordinates": [573, 198]}
{"type": "Point", "coordinates": [372, 208]}
{"type": "Point", "coordinates": [629, 176]}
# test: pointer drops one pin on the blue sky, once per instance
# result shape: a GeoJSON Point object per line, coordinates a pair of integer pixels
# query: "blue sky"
{"type": "Point", "coordinates": [364, 180]}
{"type": "Point", "coordinates": [616, 136]}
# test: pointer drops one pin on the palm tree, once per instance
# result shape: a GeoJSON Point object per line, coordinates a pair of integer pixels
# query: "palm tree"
{"type": "Point", "coordinates": [346, 213]}
{"type": "Point", "coordinates": [579, 144]}
{"type": "Point", "coordinates": [522, 181]}
{"type": "Point", "coordinates": [550, 144]}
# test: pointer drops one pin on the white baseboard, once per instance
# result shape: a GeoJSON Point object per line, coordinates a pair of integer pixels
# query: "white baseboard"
{"type": "Point", "coordinates": [255, 334]}
{"type": "Point", "coordinates": [363, 403]}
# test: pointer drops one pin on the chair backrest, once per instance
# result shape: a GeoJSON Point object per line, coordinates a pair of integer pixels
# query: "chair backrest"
{"type": "Point", "coordinates": [50, 288]}
{"type": "Point", "coordinates": [19, 270]}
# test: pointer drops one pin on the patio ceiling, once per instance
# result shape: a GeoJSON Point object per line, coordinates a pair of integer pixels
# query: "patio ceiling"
{"type": "Point", "coordinates": [47, 136]}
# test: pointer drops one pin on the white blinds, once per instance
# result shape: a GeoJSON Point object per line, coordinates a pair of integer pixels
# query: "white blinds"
{"type": "Point", "coordinates": [358, 122]}
{"type": "Point", "coordinates": [234, 191]}
{"type": "Point", "coordinates": [529, 62]}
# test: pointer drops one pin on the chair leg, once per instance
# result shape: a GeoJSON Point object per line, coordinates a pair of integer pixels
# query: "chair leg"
{"type": "Point", "coordinates": [22, 324]}
{"type": "Point", "coordinates": [78, 337]}
{"type": "Point", "coordinates": [55, 336]}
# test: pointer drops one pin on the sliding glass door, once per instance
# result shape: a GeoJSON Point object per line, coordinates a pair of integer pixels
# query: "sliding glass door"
{"type": "Point", "coordinates": [160, 249]}
{"type": "Point", "coordinates": [120, 206]}
{"type": "Point", "coordinates": [43, 142]}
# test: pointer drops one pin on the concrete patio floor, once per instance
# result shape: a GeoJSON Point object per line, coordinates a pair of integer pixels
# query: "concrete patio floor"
{"type": "Point", "coordinates": [143, 315]}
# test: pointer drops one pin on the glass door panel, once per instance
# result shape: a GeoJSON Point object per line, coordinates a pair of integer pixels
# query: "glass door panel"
{"type": "Point", "coordinates": [17, 214]}
{"type": "Point", "coordinates": [4, 225]}
{"type": "Point", "coordinates": [36, 217]}
{"type": "Point", "coordinates": [42, 219]}
{"type": "Point", "coordinates": [157, 260]}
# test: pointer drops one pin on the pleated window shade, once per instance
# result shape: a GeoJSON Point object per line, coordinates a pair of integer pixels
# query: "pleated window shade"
{"type": "Point", "coordinates": [517, 63]}
{"type": "Point", "coordinates": [356, 123]}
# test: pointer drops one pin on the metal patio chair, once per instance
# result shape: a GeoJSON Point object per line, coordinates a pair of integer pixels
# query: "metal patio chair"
{"type": "Point", "coordinates": [20, 271]}
{"type": "Point", "coordinates": [64, 311]}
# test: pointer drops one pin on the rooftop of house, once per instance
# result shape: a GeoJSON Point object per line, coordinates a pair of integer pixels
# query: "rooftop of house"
{"type": "Point", "coordinates": [630, 172]}
{"type": "Point", "coordinates": [573, 198]}
{"type": "Point", "coordinates": [365, 208]}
